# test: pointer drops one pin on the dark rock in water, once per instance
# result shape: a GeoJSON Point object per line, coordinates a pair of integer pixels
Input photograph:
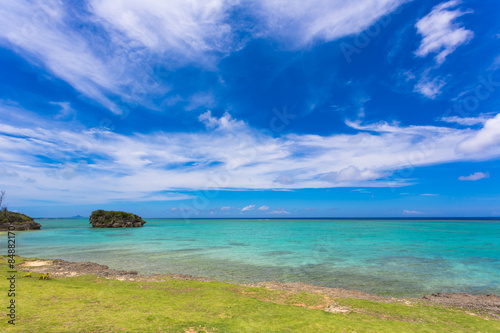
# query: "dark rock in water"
{"type": "Point", "coordinates": [115, 219]}
{"type": "Point", "coordinates": [18, 221]}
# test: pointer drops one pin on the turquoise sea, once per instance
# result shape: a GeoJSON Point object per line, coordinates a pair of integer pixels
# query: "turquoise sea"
{"type": "Point", "coordinates": [387, 257]}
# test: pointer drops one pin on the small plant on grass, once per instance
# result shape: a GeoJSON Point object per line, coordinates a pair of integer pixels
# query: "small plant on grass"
{"type": "Point", "coordinates": [27, 275]}
{"type": "Point", "coordinates": [45, 276]}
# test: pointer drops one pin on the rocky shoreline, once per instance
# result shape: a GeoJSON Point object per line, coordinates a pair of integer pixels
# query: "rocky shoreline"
{"type": "Point", "coordinates": [21, 226]}
{"type": "Point", "coordinates": [14, 221]}
{"type": "Point", "coordinates": [489, 304]}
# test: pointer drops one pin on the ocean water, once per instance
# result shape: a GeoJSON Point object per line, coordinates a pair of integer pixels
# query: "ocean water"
{"type": "Point", "coordinates": [387, 257]}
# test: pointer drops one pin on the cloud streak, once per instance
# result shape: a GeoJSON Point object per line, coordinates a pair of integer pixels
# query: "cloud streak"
{"type": "Point", "coordinates": [109, 50]}
{"type": "Point", "coordinates": [440, 33]}
{"type": "Point", "coordinates": [98, 165]}
{"type": "Point", "coordinates": [304, 22]}
{"type": "Point", "coordinates": [475, 176]}
{"type": "Point", "coordinates": [411, 212]}
{"type": "Point", "coordinates": [247, 208]}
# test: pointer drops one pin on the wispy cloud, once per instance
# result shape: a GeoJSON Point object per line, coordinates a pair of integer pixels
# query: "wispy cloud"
{"type": "Point", "coordinates": [112, 54]}
{"type": "Point", "coordinates": [99, 165]}
{"type": "Point", "coordinates": [352, 173]}
{"type": "Point", "coordinates": [430, 88]}
{"type": "Point", "coordinates": [487, 137]}
{"type": "Point", "coordinates": [406, 211]}
{"type": "Point", "coordinates": [264, 208]}
{"type": "Point", "coordinates": [40, 33]}
{"type": "Point", "coordinates": [279, 211]}
{"type": "Point", "coordinates": [467, 121]}
{"type": "Point", "coordinates": [440, 33]}
{"type": "Point", "coordinates": [183, 27]}
{"type": "Point", "coordinates": [475, 176]}
{"type": "Point", "coordinates": [361, 190]}
{"type": "Point", "coordinates": [249, 207]}
{"type": "Point", "coordinates": [180, 209]}
{"type": "Point", "coordinates": [303, 22]}
{"type": "Point", "coordinates": [109, 50]}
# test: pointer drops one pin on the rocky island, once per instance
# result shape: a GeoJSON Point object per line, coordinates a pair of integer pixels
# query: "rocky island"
{"type": "Point", "coordinates": [115, 219]}
{"type": "Point", "coordinates": [17, 220]}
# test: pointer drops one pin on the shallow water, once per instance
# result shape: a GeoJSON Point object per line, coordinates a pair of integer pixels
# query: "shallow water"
{"type": "Point", "coordinates": [388, 257]}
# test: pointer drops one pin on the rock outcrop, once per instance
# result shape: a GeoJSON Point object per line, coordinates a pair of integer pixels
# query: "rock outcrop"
{"type": "Point", "coordinates": [18, 221]}
{"type": "Point", "coordinates": [115, 219]}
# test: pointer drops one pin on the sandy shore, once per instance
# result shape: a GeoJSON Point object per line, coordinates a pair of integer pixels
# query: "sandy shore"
{"type": "Point", "coordinates": [62, 268]}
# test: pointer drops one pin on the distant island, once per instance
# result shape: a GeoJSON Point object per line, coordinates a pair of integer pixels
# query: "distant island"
{"type": "Point", "coordinates": [115, 219]}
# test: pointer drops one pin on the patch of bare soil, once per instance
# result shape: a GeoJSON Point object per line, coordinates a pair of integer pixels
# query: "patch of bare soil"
{"type": "Point", "coordinates": [37, 263]}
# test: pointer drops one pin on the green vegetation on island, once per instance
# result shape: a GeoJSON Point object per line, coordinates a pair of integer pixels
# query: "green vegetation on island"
{"type": "Point", "coordinates": [114, 219]}
{"type": "Point", "coordinates": [14, 219]}
{"type": "Point", "coordinates": [95, 304]}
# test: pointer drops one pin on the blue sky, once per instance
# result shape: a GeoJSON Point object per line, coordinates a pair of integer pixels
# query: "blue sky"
{"type": "Point", "coordinates": [262, 108]}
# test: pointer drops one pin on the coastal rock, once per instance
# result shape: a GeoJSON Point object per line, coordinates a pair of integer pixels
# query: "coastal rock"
{"type": "Point", "coordinates": [115, 219]}
{"type": "Point", "coordinates": [63, 268]}
{"type": "Point", "coordinates": [59, 267]}
{"type": "Point", "coordinates": [18, 221]}
{"type": "Point", "coordinates": [490, 303]}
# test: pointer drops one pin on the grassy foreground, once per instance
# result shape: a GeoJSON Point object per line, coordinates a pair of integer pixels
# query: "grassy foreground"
{"type": "Point", "coordinates": [92, 304]}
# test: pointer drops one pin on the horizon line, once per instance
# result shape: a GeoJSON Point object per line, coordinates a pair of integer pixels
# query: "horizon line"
{"type": "Point", "coordinates": [300, 218]}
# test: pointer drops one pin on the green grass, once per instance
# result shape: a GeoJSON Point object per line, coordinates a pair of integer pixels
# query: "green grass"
{"type": "Point", "coordinates": [13, 217]}
{"type": "Point", "coordinates": [92, 304]}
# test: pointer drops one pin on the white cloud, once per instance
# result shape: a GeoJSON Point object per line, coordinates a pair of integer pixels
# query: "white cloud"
{"type": "Point", "coordinates": [406, 211]}
{"type": "Point", "coordinates": [109, 50]}
{"type": "Point", "coordinates": [66, 112]}
{"type": "Point", "coordinates": [467, 121]}
{"type": "Point", "coordinates": [180, 209]}
{"type": "Point", "coordinates": [98, 68]}
{"type": "Point", "coordinates": [249, 207]}
{"type": "Point", "coordinates": [184, 27]}
{"type": "Point", "coordinates": [224, 123]}
{"type": "Point", "coordinates": [429, 194]}
{"type": "Point", "coordinates": [475, 176]}
{"type": "Point", "coordinates": [440, 34]}
{"type": "Point", "coordinates": [430, 88]}
{"type": "Point", "coordinates": [129, 39]}
{"type": "Point", "coordinates": [225, 208]}
{"type": "Point", "coordinates": [352, 173]}
{"type": "Point", "coordinates": [302, 22]}
{"type": "Point", "coordinates": [70, 163]}
{"type": "Point", "coordinates": [264, 208]}
{"type": "Point", "coordinates": [486, 138]}
{"type": "Point", "coordinates": [361, 190]}
{"type": "Point", "coordinates": [279, 211]}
